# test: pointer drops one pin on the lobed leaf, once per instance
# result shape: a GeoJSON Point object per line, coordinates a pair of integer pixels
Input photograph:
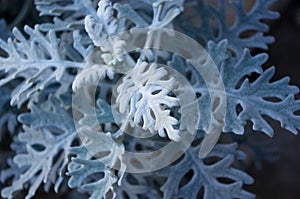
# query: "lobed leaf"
{"type": "Point", "coordinates": [142, 94]}
{"type": "Point", "coordinates": [92, 169]}
{"type": "Point", "coordinates": [38, 60]}
{"type": "Point", "coordinates": [244, 22]}
{"type": "Point", "coordinates": [47, 148]}
{"type": "Point", "coordinates": [206, 176]}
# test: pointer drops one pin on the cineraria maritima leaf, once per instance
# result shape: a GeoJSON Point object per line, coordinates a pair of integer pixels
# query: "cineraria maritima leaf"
{"type": "Point", "coordinates": [243, 23]}
{"type": "Point", "coordinates": [79, 50]}
{"type": "Point", "coordinates": [47, 147]}
{"type": "Point", "coordinates": [141, 95]}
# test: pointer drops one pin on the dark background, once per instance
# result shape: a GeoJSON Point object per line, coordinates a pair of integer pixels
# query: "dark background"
{"type": "Point", "coordinates": [281, 179]}
{"type": "Point", "coordinates": [276, 180]}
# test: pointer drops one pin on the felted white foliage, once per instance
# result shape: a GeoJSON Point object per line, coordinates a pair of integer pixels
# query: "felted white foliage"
{"type": "Point", "coordinates": [37, 59]}
{"type": "Point", "coordinates": [254, 97]}
{"type": "Point", "coordinates": [207, 176]}
{"type": "Point", "coordinates": [141, 95]}
{"type": "Point", "coordinates": [92, 75]}
{"type": "Point", "coordinates": [115, 54]}
{"type": "Point", "coordinates": [51, 55]}
{"type": "Point", "coordinates": [164, 11]}
{"type": "Point", "coordinates": [190, 175]}
{"type": "Point", "coordinates": [68, 14]}
{"type": "Point", "coordinates": [47, 152]}
{"type": "Point", "coordinates": [93, 67]}
{"type": "Point", "coordinates": [97, 66]}
{"type": "Point", "coordinates": [243, 22]}
{"type": "Point", "coordinates": [100, 29]}
{"type": "Point", "coordinates": [102, 115]}
{"type": "Point", "coordinates": [12, 171]}
{"type": "Point", "coordinates": [107, 23]}
{"type": "Point", "coordinates": [127, 11]}
{"type": "Point", "coordinates": [89, 163]}
{"type": "Point", "coordinates": [247, 101]}
{"type": "Point", "coordinates": [104, 25]}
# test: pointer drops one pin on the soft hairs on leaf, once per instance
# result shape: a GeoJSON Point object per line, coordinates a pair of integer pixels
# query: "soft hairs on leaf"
{"type": "Point", "coordinates": [54, 68]}
{"type": "Point", "coordinates": [141, 95]}
{"type": "Point", "coordinates": [68, 14]}
{"type": "Point", "coordinates": [43, 146]}
{"type": "Point", "coordinates": [247, 101]}
{"type": "Point", "coordinates": [253, 97]}
{"type": "Point", "coordinates": [104, 25]}
{"type": "Point", "coordinates": [37, 59]}
{"type": "Point", "coordinates": [164, 11]}
{"type": "Point", "coordinates": [92, 76]}
{"type": "Point", "coordinates": [249, 21]}
{"type": "Point", "coordinates": [103, 114]}
{"type": "Point", "coordinates": [207, 176]}
{"type": "Point", "coordinates": [90, 164]}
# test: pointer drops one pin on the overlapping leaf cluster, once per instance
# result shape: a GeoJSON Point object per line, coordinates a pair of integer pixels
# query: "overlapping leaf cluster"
{"type": "Point", "coordinates": [69, 142]}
